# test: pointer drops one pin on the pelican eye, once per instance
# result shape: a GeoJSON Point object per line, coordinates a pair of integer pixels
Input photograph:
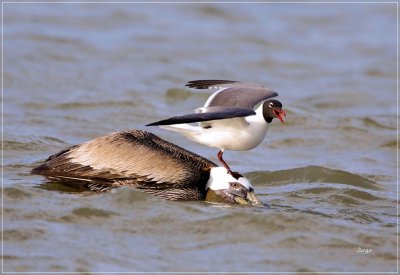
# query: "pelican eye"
{"type": "Point", "coordinates": [235, 185]}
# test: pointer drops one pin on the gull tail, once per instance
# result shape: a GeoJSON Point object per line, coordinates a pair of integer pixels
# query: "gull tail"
{"type": "Point", "coordinates": [188, 131]}
{"type": "Point", "coordinates": [184, 129]}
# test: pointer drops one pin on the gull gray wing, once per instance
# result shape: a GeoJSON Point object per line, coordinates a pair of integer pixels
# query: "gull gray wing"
{"type": "Point", "coordinates": [233, 93]}
{"type": "Point", "coordinates": [136, 158]}
{"type": "Point", "coordinates": [207, 114]}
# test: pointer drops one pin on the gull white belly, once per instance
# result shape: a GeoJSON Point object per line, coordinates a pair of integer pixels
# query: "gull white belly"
{"type": "Point", "coordinates": [235, 139]}
{"type": "Point", "coordinates": [236, 134]}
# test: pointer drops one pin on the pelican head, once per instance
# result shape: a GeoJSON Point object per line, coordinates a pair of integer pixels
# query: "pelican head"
{"type": "Point", "coordinates": [224, 187]}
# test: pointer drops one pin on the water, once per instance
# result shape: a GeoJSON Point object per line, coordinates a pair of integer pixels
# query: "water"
{"type": "Point", "coordinates": [73, 72]}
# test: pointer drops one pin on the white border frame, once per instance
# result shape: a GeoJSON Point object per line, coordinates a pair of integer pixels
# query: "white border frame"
{"type": "Point", "coordinates": [190, 2]}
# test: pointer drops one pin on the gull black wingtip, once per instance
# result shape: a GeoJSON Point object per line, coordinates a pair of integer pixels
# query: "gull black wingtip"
{"type": "Point", "coordinates": [152, 124]}
{"type": "Point", "coordinates": [168, 121]}
{"type": "Point", "coordinates": [217, 114]}
{"type": "Point", "coordinates": [207, 83]}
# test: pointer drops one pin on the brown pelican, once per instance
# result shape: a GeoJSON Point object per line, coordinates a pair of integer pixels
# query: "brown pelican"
{"type": "Point", "coordinates": [235, 117]}
{"type": "Point", "coordinates": [142, 160]}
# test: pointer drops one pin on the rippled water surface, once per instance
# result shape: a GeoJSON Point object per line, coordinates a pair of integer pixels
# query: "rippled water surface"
{"type": "Point", "coordinates": [73, 72]}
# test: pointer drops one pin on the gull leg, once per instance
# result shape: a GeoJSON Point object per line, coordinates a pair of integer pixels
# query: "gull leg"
{"type": "Point", "coordinates": [222, 161]}
{"type": "Point", "coordinates": [236, 175]}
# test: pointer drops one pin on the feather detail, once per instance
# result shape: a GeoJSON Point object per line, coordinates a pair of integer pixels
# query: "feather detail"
{"type": "Point", "coordinates": [136, 158]}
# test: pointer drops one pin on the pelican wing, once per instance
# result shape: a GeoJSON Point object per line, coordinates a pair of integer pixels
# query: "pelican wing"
{"type": "Point", "coordinates": [233, 93]}
{"type": "Point", "coordinates": [135, 158]}
{"type": "Point", "coordinates": [206, 114]}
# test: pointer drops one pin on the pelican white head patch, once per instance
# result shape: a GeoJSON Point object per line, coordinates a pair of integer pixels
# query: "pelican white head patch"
{"type": "Point", "coordinates": [220, 179]}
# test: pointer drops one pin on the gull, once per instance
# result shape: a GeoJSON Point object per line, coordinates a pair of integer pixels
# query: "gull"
{"type": "Point", "coordinates": [235, 117]}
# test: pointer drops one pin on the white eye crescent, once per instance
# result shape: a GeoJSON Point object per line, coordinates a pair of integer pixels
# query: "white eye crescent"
{"type": "Point", "coordinates": [271, 104]}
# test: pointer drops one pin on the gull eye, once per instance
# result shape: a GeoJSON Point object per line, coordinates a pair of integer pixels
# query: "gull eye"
{"type": "Point", "coordinates": [271, 104]}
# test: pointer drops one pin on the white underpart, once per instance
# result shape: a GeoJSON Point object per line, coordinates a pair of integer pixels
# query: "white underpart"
{"type": "Point", "coordinates": [237, 134]}
{"type": "Point", "coordinates": [220, 179]}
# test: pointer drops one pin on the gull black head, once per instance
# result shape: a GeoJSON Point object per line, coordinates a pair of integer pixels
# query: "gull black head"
{"type": "Point", "coordinates": [272, 108]}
